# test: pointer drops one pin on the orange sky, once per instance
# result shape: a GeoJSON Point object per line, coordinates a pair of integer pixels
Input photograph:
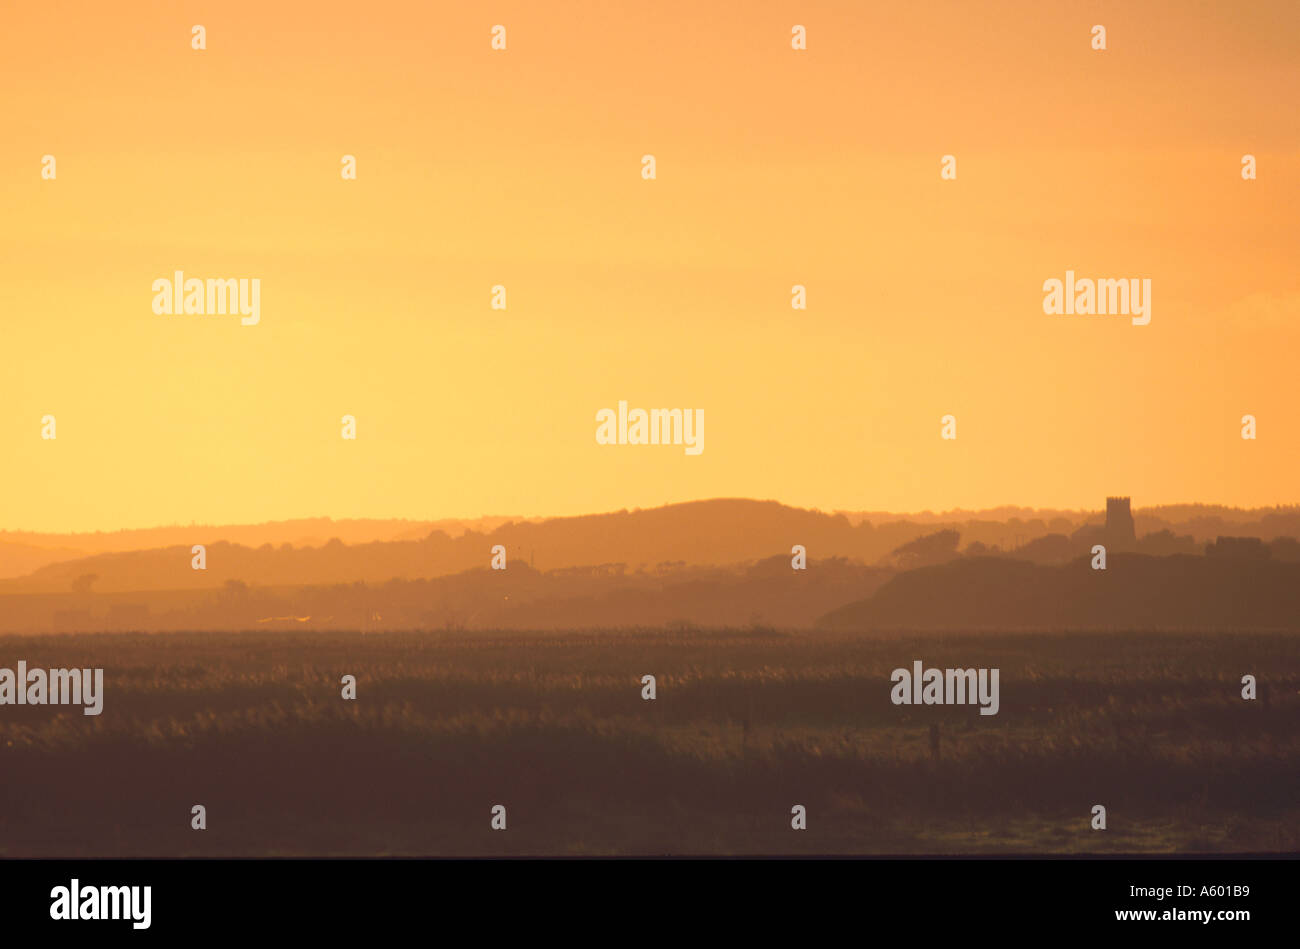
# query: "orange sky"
{"type": "Point", "coordinates": [522, 168]}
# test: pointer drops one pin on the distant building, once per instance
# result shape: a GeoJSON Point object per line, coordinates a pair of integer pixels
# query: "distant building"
{"type": "Point", "coordinates": [1238, 548]}
{"type": "Point", "coordinates": [1120, 530]}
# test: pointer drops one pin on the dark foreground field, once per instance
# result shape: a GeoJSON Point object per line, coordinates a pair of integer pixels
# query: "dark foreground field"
{"type": "Point", "coordinates": [746, 725]}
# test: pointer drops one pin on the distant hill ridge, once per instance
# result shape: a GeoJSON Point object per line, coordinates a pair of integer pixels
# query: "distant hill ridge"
{"type": "Point", "coordinates": [700, 533]}
{"type": "Point", "coordinates": [1135, 591]}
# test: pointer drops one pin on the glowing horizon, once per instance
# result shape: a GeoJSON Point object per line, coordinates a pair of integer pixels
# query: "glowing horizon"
{"type": "Point", "coordinates": [522, 168]}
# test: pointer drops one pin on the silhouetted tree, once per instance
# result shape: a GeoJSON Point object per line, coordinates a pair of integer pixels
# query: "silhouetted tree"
{"type": "Point", "coordinates": [83, 583]}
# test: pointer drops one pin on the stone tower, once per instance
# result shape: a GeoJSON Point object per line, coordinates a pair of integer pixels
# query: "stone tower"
{"type": "Point", "coordinates": [1119, 522]}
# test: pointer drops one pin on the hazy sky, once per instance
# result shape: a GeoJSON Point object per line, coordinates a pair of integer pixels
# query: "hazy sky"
{"type": "Point", "coordinates": [523, 168]}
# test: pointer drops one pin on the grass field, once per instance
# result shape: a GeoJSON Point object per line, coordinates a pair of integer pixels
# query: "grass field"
{"type": "Point", "coordinates": [747, 723]}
